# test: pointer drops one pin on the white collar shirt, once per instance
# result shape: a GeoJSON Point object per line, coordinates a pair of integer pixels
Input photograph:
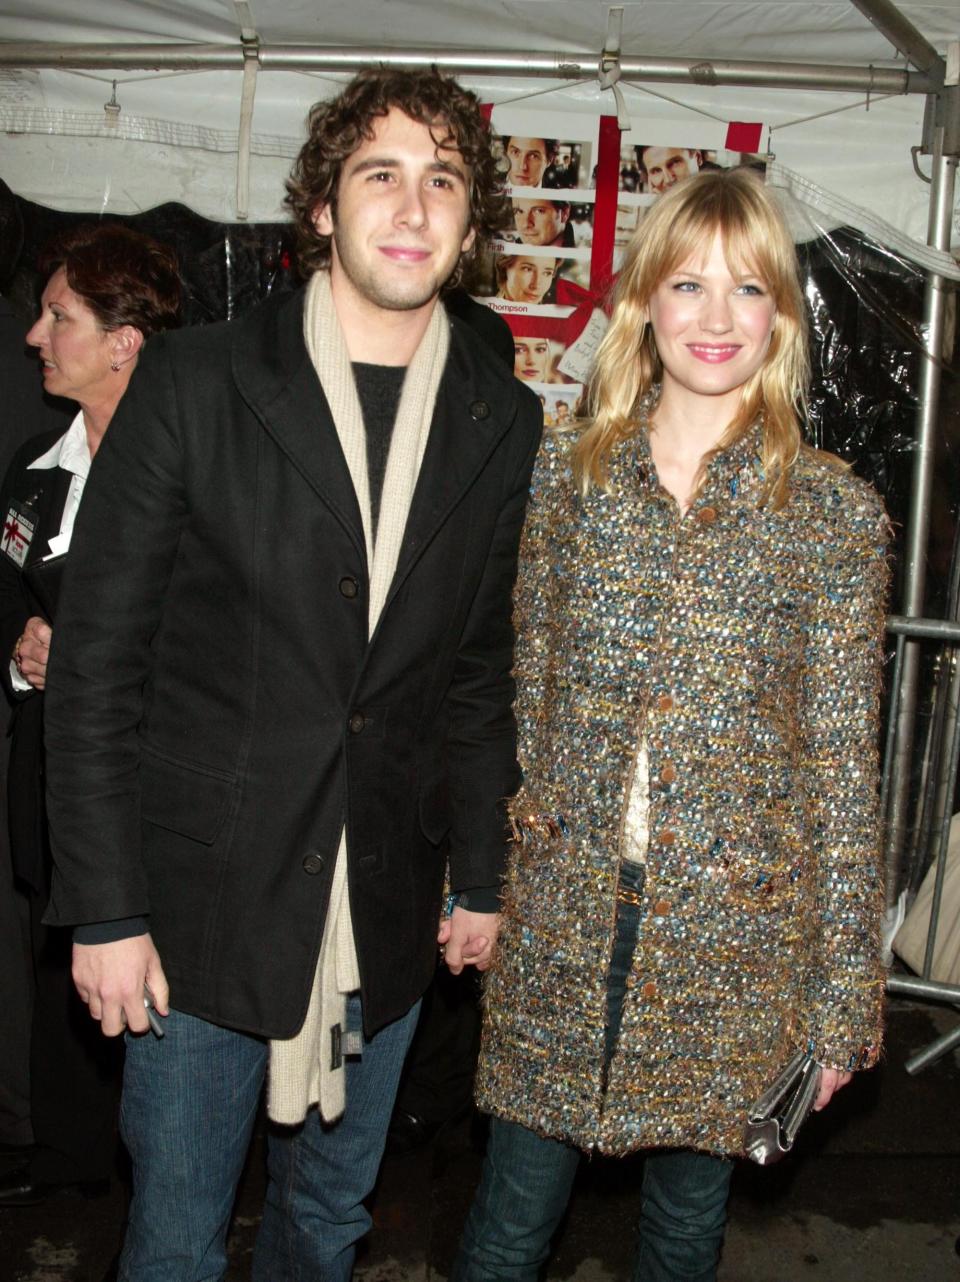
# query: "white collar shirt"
{"type": "Point", "coordinates": [72, 454]}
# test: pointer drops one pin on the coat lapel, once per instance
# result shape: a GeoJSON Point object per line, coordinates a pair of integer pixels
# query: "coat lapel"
{"type": "Point", "coordinates": [277, 380]}
{"type": "Point", "coordinates": [467, 426]}
{"type": "Point", "coordinates": [275, 376]}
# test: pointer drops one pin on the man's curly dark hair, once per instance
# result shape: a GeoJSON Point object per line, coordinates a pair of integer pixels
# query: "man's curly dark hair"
{"type": "Point", "coordinates": [338, 126]}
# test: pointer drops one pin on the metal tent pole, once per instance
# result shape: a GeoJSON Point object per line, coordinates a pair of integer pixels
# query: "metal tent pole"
{"type": "Point", "coordinates": [918, 526]}
{"type": "Point", "coordinates": [463, 62]}
{"type": "Point", "coordinates": [903, 35]}
{"type": "Point", "coordinates": [942, 139]}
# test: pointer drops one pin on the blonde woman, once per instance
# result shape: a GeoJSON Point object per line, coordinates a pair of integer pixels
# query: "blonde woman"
{"type": "Point", "coordinates": [694, 890]}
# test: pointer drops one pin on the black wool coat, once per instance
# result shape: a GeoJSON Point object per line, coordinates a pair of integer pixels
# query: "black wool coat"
{"type": "Point", "coordinates": [215, 710]}
{"type": "Point", "coordinates": [25, 591]}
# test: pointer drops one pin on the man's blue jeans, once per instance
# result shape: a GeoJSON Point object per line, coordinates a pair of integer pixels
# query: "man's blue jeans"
{"type": "Point", "coordinates": [187, 1113]}
{"type": "Point", "coordinates": [527, 1179]}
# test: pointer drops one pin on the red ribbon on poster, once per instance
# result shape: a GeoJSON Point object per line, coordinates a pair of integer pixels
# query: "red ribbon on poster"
{"type": "Point", "coordinates": [555, 327]}
{"type": "Point", "coordinates": [564, 329]}
{"type": "Point", "coordinates": [570, 294]}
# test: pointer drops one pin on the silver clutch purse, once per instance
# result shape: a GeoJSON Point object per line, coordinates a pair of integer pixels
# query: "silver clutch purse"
{"type": "Point", "coordinates": [775, 1118]}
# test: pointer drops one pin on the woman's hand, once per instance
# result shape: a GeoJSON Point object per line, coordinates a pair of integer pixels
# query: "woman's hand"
{"type": "Point", "coordinates": [467, 939]}
{"type": "Point", "coordinates": [32, 651]}
{"type": "Point", "coordinates": [831, 1081]}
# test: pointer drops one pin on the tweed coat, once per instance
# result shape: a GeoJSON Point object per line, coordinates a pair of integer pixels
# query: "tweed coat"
{"type": "Point", "coordinates": [743, 646]}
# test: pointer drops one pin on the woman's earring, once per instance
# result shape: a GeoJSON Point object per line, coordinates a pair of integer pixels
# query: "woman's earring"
{"type": "Point", "coordinates": [115, 367]}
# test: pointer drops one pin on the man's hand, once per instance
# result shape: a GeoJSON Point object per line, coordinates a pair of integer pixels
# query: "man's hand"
{"type": "Point", "coordinates": [110, 979]}
{"type": "Point", "coordinates": [32, 651]}
{"type": "Point", "coordinates": [831, 1081]}
{"type": "Point", "coordinates": [468, 939]}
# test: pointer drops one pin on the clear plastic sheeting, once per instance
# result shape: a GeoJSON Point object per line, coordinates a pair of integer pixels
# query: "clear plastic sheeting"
{"type": "Point", "coordinates": [813, 210]}
{"type": "Point", "coordinates": [865, 297]}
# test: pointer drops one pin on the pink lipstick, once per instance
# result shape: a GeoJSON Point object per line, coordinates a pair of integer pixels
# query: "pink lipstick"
{"type": "Point", "coordinates": [713, 355]}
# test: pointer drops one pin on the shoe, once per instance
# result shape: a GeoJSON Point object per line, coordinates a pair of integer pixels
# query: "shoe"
{"type": "Point", "coordinates": [19, 1188]}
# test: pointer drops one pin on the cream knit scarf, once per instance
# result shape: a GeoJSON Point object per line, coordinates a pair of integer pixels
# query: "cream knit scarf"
{"type": "Point", "coordinates": [303, 1070]}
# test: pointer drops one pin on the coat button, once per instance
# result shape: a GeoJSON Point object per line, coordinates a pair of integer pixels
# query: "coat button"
{"type": "Point", "coordinates": [664, 702]}
{"type": "Point", "coordinates": [667, 837]}
{"type": "Point", "coordinates": [661, 907]}
{"type": "Point", "coordinates": [669, 773]}
{"type": "Point", "coordinates": [356, 723]}
{"type": "Point", "coordinates": [479, 410]}
{"type": "Point", "coordinates": [707, 515]}
{"type": "Point", "coordinates": [349, 587]}
{"type": "Point", "coordinates": [649, 989]}
{"type": "Point", "coordinates": [312, 864]}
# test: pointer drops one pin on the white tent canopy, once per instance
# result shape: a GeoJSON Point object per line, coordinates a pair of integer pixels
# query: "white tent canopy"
{"type": "Point", "coordinates": [175, 136]}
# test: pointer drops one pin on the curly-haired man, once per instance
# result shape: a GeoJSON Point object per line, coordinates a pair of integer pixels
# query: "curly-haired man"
{"type": "Point", "coordinates": [280, 704]}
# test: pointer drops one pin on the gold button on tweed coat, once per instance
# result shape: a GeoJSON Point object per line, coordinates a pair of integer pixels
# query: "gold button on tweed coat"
{"type": "Point", "coordinates": [743, 645]}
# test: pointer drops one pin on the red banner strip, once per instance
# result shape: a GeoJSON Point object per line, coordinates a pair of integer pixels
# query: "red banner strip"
{"type": "Point", "coordinates": [605, 210]}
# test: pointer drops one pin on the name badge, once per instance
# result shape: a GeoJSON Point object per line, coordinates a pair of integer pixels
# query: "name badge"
{"type": "Point", "coordinates": [18, 531]}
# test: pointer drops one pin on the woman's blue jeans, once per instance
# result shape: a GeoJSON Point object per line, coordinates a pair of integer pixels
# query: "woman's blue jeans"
{"type": "Point", "coordinates": [527, 1179]}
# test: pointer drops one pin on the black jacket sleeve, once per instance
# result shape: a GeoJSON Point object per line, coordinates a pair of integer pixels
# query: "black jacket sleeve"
{"type": "Point", "coordinates": [121, 558]}
{"type": "Point", "coordinates": [483, 728]}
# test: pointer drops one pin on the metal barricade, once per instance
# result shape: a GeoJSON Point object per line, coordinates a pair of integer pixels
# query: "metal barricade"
{"type": "Point", "coordinates": [935, 799]}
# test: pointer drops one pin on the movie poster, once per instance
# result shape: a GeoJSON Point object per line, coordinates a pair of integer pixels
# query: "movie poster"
{"type": "Point", "coordinates": [538, 275]}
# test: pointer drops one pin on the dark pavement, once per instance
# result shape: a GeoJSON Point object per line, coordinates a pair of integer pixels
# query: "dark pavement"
{"type": "Point", "coordinates": [872, 1192]}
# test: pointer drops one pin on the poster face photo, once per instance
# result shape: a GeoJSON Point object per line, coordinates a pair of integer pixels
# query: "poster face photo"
{"type": "Point", "coordinates": [517, 278]}
{"type": "Point", "coordinates": [650, 169]}
{"type": "Point", "coordinates": [536, 360]}
{"type": "Point", "coordinates": [531, 160]}
{"type": "Point", "coordinates": [559, 224]}
{"type": "Point", "coordinates": [560, 405]}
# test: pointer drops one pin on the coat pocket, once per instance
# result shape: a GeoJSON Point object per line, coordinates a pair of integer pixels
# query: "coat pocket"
{"type": "Point", "coordinates": [191, 800]}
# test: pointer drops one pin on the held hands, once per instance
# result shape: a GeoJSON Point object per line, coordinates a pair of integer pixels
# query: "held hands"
{"type": "Point", "coordinates": [831, 1081]}
{"type": "Point", "coordinates": [110, 978]}
{"type": "Point", "coordinates": [468, 939]}
{"type": "Point", "coordinates": [32, 651]}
